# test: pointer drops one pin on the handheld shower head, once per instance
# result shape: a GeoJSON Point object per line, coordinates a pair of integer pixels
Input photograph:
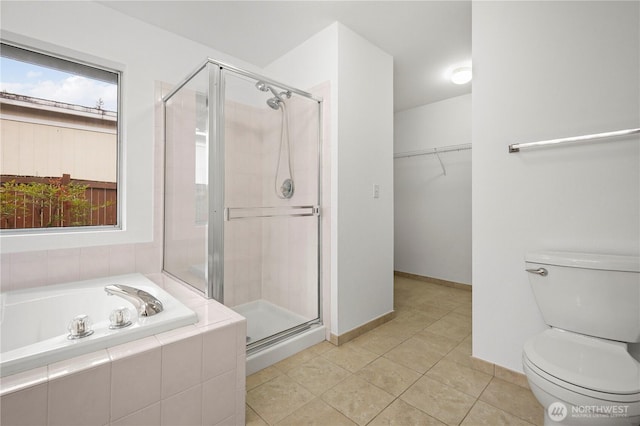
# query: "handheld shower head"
{"type": "Point", "coordinates": [278, 97]}
{"type": "Point", "coordinates": [274, 103]}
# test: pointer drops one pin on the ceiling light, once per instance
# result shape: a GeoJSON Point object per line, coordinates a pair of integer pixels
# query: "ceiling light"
{"type": "Point", "coordinates": [461, 75]}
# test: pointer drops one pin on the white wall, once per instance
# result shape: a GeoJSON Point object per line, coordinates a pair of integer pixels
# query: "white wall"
{"type": "Point", "coordinates": [432, 210]}
{"type": "Point", "coordinates": [547, 70]}
{"type": "Point", "coordinates": [365, 158]}
{"type": "Point", "coordinates": [145, 54]}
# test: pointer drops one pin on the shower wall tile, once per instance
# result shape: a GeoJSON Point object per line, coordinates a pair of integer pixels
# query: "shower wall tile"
{"type": "Point", "coordinates": [255, 289]}
{"type": "Point", "coordinates": [241, 284]}
{"type": "Point", "coordinates": [229, 290]}
{"type": "Point", "coordinates": [148, 258]}
{"type": "Point", "coordinates": [290, 246]}
{"type": "Point", "coordinates": [5, 272]}
{"type": "Point", "coordinates": [94, 262]}
{"type": "Point", "coordinates": [186, 294]}
{"type": "Point", "coordinates": [243, 176]}
{"type": "Point", "coordinates": [158, 181]}
{"type": "Point", "coordinates": [290, 275]}
{"type": "Point", "coordinates": [29, 269]}
{"type": "Point", "coordinates": [38, 268]}
{"type": "Point", "coordinates": [63, 265]}
{"type": "Point", "coordinates": [122, 259]}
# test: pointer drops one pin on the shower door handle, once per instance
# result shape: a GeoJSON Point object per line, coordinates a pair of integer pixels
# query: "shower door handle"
{"type": "Point", "coordinates": [234, 213]}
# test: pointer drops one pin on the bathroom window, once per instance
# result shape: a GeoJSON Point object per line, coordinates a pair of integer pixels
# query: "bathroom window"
{"type": "Point", "coordinates": [59, 142]}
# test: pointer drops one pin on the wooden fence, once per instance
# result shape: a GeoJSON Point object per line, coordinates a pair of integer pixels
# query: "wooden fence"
{"type": "Point", "coordinates": [98, 204]}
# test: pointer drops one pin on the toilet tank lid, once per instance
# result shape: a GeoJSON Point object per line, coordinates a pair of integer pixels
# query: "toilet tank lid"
{"type": "Point", "coordinates": [606, 262]}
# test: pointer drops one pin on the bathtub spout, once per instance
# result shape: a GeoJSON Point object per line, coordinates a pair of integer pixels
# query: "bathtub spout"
{"type": "Point", "coordinates": [145, 304]}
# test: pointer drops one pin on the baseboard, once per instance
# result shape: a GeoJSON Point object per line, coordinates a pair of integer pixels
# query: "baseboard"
{"type": "Point", "coordinates": [358, 331]}
{"type": "Point", "coordinates": [499, 371]}
{"type": "Point", "coordinates": [432, 280]}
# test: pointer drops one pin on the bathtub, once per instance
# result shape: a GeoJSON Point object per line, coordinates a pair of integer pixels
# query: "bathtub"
{"type": "Point", "coordinates": [33, 322]}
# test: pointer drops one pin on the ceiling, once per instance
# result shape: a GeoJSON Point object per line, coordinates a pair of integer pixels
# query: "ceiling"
{"type": "Point", "coordinates": [424, 37]}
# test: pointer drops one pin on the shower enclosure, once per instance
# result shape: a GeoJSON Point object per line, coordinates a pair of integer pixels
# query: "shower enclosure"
{"type": "Point", "coordinates": [242, 195]}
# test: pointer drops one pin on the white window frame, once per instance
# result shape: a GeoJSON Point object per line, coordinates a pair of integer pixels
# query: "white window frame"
{"type": "Point", "coordinates": [25, 240]}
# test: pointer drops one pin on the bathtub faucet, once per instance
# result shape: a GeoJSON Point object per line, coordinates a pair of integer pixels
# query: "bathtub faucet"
{"type": "Point", "coordinates": [146, 304]}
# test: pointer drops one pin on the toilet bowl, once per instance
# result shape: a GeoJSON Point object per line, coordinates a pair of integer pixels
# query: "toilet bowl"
{"type": "Point", "coordinates": [596, 381]}
{"type": "Point", "coordinates": [585, 369]}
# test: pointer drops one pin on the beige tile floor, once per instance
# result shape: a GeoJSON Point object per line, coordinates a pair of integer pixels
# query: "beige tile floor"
{"type": "Point", "coordinates": [413, 370]}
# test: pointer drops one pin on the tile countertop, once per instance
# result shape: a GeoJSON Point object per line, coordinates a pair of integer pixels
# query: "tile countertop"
{"type": "Point", "coordinates": [211, 315]}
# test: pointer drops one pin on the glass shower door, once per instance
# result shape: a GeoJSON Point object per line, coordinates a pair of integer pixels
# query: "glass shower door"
{"type": "Point", "coordinates": [271, 193]}
{"type": "Point", "coordinates": [242, 197]}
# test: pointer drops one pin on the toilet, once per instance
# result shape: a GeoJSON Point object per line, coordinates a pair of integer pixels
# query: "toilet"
{"type": "Point", "coordinates": [585, 368]}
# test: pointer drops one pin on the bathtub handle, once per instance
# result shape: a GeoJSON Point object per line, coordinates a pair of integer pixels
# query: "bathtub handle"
{"type": "Point", "coordinates": [79, 327]}
{"type": "Point", "coordinates": [145, 303]}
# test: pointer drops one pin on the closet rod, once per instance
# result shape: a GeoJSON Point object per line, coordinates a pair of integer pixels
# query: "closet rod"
{"type": "Point", "coordinates": [448, 148]}
{"type": "Point", "coordinates": [584, 138]}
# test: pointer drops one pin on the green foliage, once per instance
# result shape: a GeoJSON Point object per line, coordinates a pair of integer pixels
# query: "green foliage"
{"type": "Point", "coordinates": [57, 197]}
{"type": "Point", "coordinates": [11, 200]}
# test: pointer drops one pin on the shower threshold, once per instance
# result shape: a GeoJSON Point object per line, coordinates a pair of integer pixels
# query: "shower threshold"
{"type": "Point", "coordinates": [266, 319]}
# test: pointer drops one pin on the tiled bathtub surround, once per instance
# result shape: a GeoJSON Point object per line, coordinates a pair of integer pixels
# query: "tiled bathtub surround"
{"type": "Point", "coordinates": [191, 375]}
{"type": "Point", "coordinates": [38, 268]}
{"type": "Point", "coordinates": [137, 383]}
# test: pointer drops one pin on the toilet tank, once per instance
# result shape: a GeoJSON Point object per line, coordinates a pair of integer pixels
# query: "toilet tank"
{"type": "Point", "coordinates": [592, 294]}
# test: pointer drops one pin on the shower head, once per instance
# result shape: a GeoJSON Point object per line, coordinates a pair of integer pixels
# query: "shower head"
{"type": "Point", "coordinates": [274, 103]}
{"type": "Point", "coordinates": [278, 97]}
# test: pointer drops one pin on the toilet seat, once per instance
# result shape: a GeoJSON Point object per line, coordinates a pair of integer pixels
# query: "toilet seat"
{"type": "Point", "coordinates": [593, 367]}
